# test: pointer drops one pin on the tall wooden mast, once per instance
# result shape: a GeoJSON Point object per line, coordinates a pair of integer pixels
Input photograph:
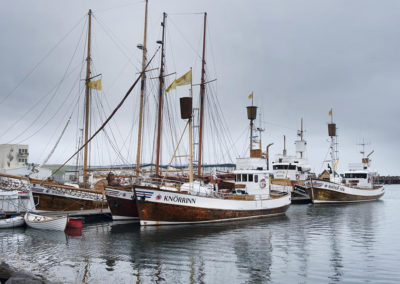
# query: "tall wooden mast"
{"type": "Point", "coordinates": [87, 103]}
{"type": "Point", "coordinates": [202, 92]}
{"type": "Point", "coordinates": [142, 87]}
{"type": "Point", "coordinates": [160, 96]}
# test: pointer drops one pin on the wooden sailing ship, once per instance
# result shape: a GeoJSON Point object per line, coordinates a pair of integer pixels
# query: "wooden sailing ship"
{"type": "Point", "coordinates": [356, 185]}
{"type": "Point", "coordinates": [198, 202]}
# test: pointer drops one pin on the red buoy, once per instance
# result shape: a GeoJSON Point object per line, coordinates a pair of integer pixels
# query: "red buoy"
{"type": "Point", "coordinates": [74, 223]}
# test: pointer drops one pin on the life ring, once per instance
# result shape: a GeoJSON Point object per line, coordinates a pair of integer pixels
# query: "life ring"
{"type": "Point", "coordinates": [297, 176]}
{"type": "Point", "coordinates": [262, 183]}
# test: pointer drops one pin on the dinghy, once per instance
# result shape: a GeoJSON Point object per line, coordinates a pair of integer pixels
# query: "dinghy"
{"type": "Point", "coordinates": [14, 221]}
{"type": "Point", "coordinates": [57, 223]}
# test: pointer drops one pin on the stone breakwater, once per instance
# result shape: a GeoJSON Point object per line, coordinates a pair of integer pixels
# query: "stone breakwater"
{"type": "Point", "coordinates": [9, 275]}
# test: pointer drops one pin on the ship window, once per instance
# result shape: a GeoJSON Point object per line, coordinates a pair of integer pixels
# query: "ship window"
{"type": "Point", "coordinates": [250, 177]}
{"type": "Point", "coordinates": [355, 175]}
{"type": "Point", "coordinates": [238, 178]}
{"type": "Point", "coordinates": [255, 178]}
{"type": "Point", "coordinates": [299, 169]}
{"type": "Point", "coordinates": [244, 177]}
{"type": "Point", "coordinates": [292, 167]}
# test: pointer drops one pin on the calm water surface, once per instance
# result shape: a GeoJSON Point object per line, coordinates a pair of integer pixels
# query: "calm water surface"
{"type": "Point", "coordinates": [353, 243]}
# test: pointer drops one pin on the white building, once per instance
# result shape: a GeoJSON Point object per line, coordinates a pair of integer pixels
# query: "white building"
{"type": "Point", "coordinates": [13, 156]}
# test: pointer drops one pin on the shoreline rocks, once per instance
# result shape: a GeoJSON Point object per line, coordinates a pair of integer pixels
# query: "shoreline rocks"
{"type": "Point", "coordinates": [10, 275]}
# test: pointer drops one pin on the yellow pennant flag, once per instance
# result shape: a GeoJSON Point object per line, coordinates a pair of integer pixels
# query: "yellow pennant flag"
{"type": "Point", "coordinates": [250, 96]}
{"type": "Point", "coordinates": [330, 112]}
{"type": "Point", "coordinates": [96, 85]}
{"type": "Point", "coordinates": [184, 80]}
{"type": "Point", "coordinates": [335, 164]}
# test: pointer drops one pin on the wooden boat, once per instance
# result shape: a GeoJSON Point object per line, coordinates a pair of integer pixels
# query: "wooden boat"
{"type": "Point", "coordinates": [196, 202]}
{"type": "Point", "coordinates": [324, 191]}
{"type": "Point", "coordinates": [122, 203]}
{"type": "Point", "coordinates": [356, 185]}
{"type": "Point", "coordinates": [56, 223]}
{"type": "Point", "coordinates": [12, 222]}
{"type": "Point", "coordinates": [49, 196]}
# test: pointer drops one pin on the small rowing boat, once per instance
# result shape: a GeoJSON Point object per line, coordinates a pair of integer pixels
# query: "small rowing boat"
{"type": "Point", "coordinates": [14, 221]}
{"type": "Point", "coordinates": [57, 223]}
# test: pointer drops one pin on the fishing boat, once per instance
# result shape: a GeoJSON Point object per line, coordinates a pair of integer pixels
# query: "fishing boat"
{"type": "Point", "coordinates": [56, 223]}
{"type": "Point", "coordinates": [198, 202]}
{"type": "Point", "coordinates": [356, 185]}
{"type": "Point", "coordinates": [291, 171]}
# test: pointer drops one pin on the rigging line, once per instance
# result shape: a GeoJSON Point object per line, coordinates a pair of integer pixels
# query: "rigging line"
{"type": "Point", "coordinates": [40, 62]}
{"type": "Point", "coordinates": [110, 34]}
{"type": "Point", "coordinates": [184, 38]}
{"type": "Point", "coordinates": [222, 119]}
{"type": "Point", "coordinates": [98, 104]}
{"type": "Point", "coordinates": [31, 109]}
{"type": "Point", "coordinates": [114, 147]}
{"type": "Point", "coordinates": [57, 130]}
{"type": "Point", "coordinates": [54, 95]}
{"type": "Point", "coordinates": [220, 135]}
{"type": "Point", "coordinates": [58, 141]}
{"type": "Point", "coordinates": [45, 124]}
{"type": "Point", "coordinates": [99, 101]}
{"type": "Point", "coordinates": [36, 104]}
{"type": "Point", "coordinates": [211, 47]}
{"type": "Point", "coordinates": [56, 88]}
{"type": "Point", "coordinates": [112, 114]}
{"type": "Point", "coordinates": [118, 7]}
{"type": "Point", "coordinates": [184, 14]}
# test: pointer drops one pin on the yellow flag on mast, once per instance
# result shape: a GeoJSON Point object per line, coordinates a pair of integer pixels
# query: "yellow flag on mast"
{"type": "Point", "coordinates": [186, 79]}
{"type": "Point", "coordinates": [335, 164]}
{"type": "Point", "coordinates": [96, 85]}
{"type": "Point", "coordinates": [330, 112]}
{"type": "Point", "coordinates": [250, 96]}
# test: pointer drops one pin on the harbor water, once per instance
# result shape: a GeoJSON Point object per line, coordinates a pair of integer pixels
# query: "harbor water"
{"type": "Point", "coordinates": [345, 243]}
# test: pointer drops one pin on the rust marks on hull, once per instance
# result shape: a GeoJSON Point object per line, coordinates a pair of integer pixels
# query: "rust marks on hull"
{"type": "Point", "coordinates": [161, 212]}
{"type": "Point", "coordinates": [326, 195]}
{"type": "Point", "coordinates": [48, 202]}
{"type": "Point", "coordinates": [122, 207]}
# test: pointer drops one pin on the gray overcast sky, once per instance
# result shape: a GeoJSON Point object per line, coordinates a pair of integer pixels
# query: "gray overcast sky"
{"type": "Point", "coordinates": [299, 57]}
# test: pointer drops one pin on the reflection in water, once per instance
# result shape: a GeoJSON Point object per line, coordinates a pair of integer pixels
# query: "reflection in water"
{"type": "Point", "coordinates": [311, 244]}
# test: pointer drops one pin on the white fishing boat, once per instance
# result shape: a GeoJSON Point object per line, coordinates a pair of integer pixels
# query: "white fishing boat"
{"type": "Point", "coordinates": [56, 223]}
{"type": "Point", "coordinates": [291, 171]}
{"type": "Point", "coordinates": [355, 185]}
{"type": "Point", "coordinates": [12, 222]}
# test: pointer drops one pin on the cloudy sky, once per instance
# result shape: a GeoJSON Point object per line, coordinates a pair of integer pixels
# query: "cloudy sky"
{"type": "Point", "coordinates": [300, 58]}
